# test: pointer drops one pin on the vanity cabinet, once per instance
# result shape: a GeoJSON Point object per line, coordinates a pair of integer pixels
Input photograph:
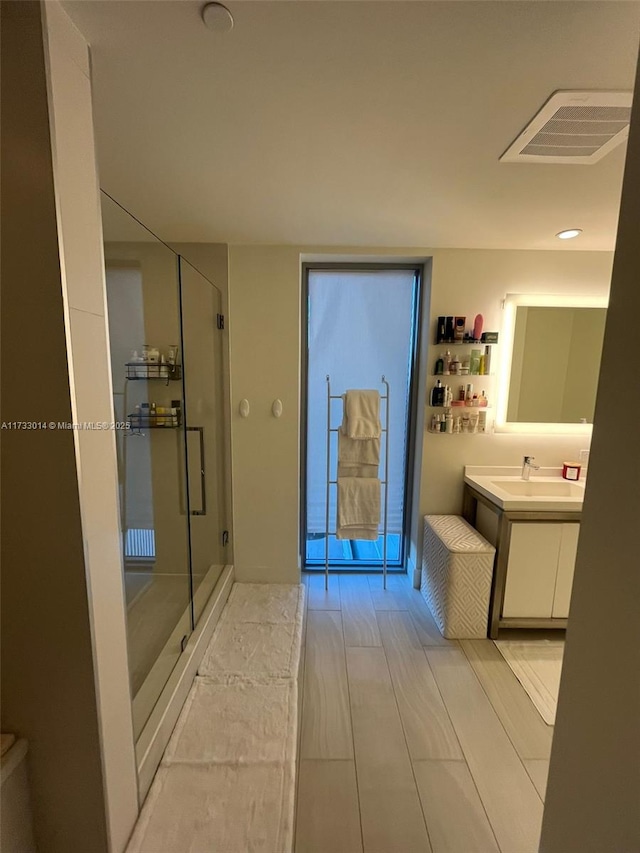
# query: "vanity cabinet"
{"type": "Point", "coordinates": [540, 568]}
{"type": "Point", "coordinates": [534, 563]}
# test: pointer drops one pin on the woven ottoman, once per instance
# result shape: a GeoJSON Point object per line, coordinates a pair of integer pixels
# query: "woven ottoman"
{"type": "Point", "coordinates": [457, 567]}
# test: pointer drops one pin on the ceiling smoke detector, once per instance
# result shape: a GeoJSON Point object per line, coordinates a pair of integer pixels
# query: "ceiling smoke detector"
{"type": "Point", "coordinates": [573, 127]}
{"type": "Point", "coordinates": [217, 17]}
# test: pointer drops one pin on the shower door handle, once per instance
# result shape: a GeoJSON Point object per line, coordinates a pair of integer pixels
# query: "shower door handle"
{"type": "Point", "coordinates": [203, 492]}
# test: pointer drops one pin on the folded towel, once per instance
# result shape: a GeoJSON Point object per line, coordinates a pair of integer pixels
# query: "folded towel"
{"type": "Point", "coordinates": [353, 452]}
{"type": "Point", "coordinates": [349, 470]}
{"type": "Point", "coordinates": [358, 508]}
{"type": "Point", "coordinates": [361, 414]}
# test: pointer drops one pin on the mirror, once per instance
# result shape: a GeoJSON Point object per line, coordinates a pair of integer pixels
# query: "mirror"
{"type": "Point", "coordinates": [553, 359]}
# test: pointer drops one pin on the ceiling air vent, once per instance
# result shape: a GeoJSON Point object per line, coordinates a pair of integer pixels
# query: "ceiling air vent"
{"type": "Point", "coordinates": [573, 127]}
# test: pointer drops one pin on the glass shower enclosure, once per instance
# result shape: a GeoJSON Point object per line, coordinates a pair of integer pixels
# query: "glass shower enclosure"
{"type": "Point", "coordinates": [167, 368]}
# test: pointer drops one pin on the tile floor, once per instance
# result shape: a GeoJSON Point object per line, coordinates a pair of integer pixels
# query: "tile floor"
{"type": "Point", "coordinates": [410, 742]}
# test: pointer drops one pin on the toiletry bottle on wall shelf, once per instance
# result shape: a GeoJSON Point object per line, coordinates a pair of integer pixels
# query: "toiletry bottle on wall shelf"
{"type": "Point", "coordinates": [439, 366]}
{"type": "Point", "coordinates": [487, 359]}
{"type": "Point", "coordinates": [477, 327]}
{"type": "Point", "coordinates": [449, 330]}
{"type": "Point", "coordinates": [437, 394]}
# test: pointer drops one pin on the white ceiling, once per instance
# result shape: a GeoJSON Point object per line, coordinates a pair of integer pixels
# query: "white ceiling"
{"type": "Point", "coordinates": [341, 123]}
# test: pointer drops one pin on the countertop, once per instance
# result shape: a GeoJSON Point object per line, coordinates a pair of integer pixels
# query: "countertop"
{"type": "Point", "coordinates": [496, 484]}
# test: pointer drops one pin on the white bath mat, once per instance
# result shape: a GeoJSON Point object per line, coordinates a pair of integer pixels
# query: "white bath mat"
{"type": "Point", "coordinates": [265, 602]}
{"type": "Point", "coordinates": [248, 650]}
{"type": "Point", "coordinates": [236, 723]}
{"type": "Point", "coordinates": [537, 664]}
{"type": "Point", "coordinates": [201, 808]}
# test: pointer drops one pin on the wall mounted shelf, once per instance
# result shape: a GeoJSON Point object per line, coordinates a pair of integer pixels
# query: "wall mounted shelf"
{"type": "Point", "coordinates": [465, 343]}
{"type": "Point", "coordinates": [474, 408]}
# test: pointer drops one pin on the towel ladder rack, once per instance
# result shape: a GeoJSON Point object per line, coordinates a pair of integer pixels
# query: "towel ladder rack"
{"type": "Point", "coordinates": [330, 482]}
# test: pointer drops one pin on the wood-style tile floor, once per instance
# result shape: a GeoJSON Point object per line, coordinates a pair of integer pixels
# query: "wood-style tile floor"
{"type": "Point", "coordinates": [411, 743]}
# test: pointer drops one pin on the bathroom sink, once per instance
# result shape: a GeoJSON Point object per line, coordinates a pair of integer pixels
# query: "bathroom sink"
{"type": "Point", "coordinates": [546, 491]}
{"type": "Point", "coordinates": [534, 488]}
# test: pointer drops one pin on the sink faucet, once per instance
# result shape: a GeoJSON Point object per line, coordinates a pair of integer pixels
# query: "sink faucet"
{"type": "Point", "coordinates": [527, 466]}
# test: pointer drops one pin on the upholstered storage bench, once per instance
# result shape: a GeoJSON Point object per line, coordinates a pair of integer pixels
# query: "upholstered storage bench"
{"type": "Point", "coordinates": [457, 567]}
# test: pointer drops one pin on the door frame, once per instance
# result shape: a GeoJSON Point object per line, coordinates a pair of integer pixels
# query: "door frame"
{"type": "Point", "coordinates": [418, 267]}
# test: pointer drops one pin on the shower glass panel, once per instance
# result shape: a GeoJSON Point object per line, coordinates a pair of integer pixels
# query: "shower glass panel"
{"type": "Point", "coordinates": [142, 276]}
{"type": "Point", "coordinates": [204, 417]}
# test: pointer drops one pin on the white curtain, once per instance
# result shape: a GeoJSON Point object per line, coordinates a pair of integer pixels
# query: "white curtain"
{"type": "Point", "coordinates": [360, 327]}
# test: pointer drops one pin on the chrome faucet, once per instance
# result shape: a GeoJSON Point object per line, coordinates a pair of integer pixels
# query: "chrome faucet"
{"type": "Point", "coordinates": [528, 466]}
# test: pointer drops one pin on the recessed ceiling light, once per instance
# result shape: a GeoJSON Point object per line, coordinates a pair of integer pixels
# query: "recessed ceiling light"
{"type": "Point", "coordinates": [217, 17]}
{"type": "Point", "coordinates": [569, 233]}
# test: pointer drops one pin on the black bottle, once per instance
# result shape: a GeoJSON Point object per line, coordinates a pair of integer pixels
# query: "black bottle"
{"type": "Point", "coordinates": [437, 394]}
{"type": "Point", "coordinates": [448, 330]}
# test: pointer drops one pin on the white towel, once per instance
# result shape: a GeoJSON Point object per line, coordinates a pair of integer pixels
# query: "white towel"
{"type": "Point", "coordinates": [353, 452]}
{"type": "Point", "coordinates": [368, 471]}
{"type": "Point", "coordinates": [358, 508]}
{"type": "Point", "coordinates": [361, 414]}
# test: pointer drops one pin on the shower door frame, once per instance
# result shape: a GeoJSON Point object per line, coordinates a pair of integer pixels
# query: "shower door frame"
{"type": "Point", "coordinates": [418, 268]}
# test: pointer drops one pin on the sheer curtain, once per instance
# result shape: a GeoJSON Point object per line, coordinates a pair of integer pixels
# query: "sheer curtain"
{"type": "Point", "coordinates": [360, 326]}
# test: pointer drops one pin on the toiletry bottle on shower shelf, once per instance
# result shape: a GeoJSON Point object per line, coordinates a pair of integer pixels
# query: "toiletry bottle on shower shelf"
{"type": "Point", "coordinates": [439, 366]}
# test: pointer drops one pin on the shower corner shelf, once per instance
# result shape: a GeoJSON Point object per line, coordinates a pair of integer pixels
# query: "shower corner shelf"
{"type": "Point", "coordinates": [139, 422]}
{"type": "Point", "coordinates": [140, 370]}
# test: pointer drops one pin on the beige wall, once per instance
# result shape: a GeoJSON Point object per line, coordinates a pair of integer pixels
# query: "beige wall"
{"type": "Point", "coordinates": [63, 687]}
{"type": "Point", "coordinates": [264, 328]}
{"type": "Point", "coordinates": [265, 322]}
{"type": "Point", "coordinates": [594, 779]}
{"type": "Point", "coordinates": [84, 296]}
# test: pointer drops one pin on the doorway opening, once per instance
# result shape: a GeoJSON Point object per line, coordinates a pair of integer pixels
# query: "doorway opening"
{"type": "Point", "coordinates": [360, 323]}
